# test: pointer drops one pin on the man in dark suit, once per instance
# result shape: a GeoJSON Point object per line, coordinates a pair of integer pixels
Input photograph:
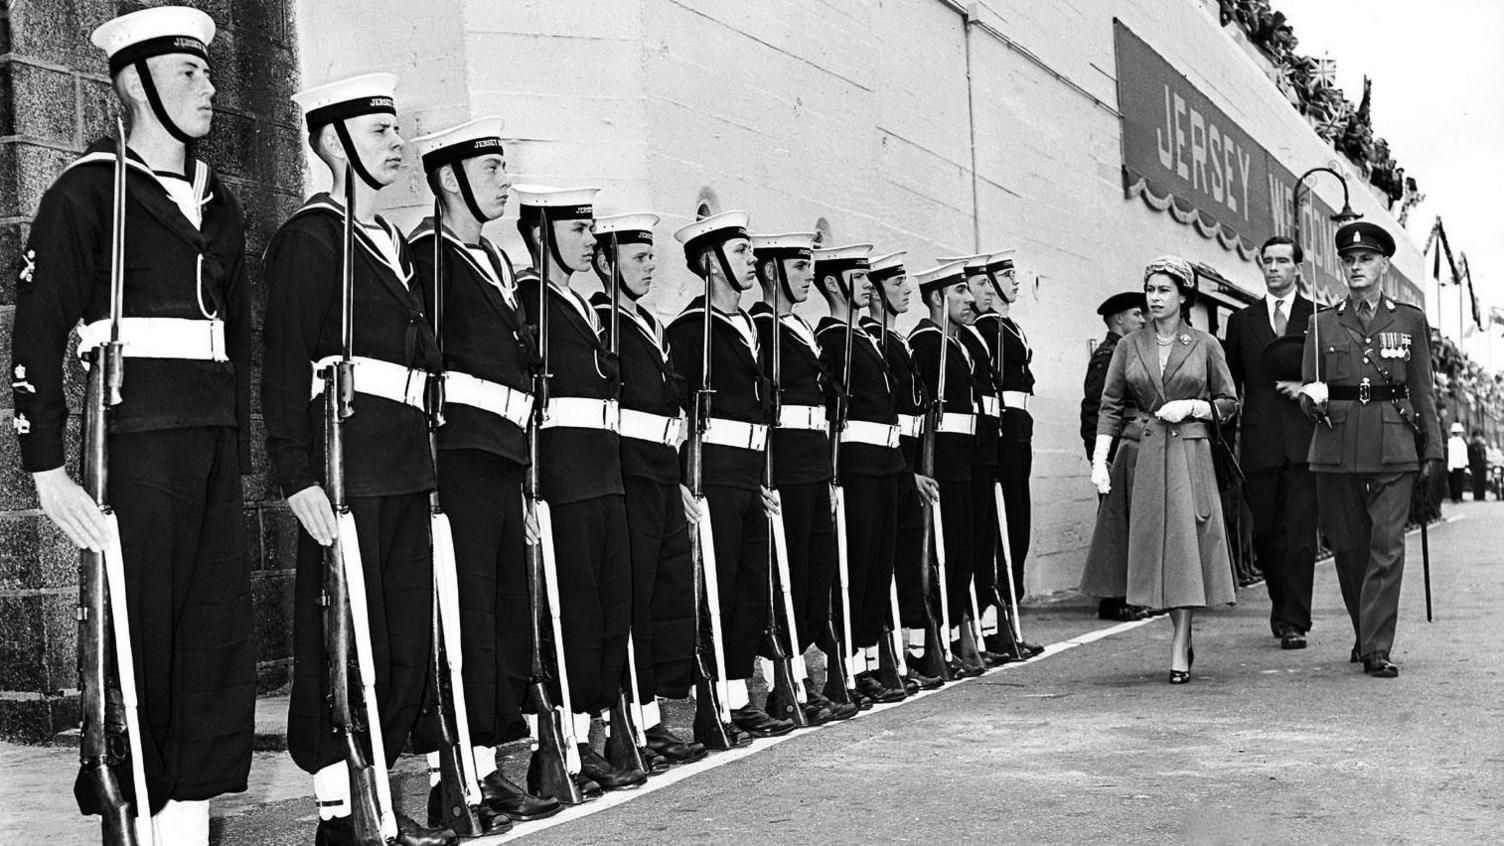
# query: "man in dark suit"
{"type": "Point", "coordinates": [1280, 491]}
{"type": "Point", "coordinates": [1370, 377]}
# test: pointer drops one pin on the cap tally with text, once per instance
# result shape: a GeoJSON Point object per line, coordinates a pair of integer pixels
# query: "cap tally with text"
{"type": "Point", "coordinates": [940, 276]}
{"type": "Point", "coordinates": [1122, 302]}
{"type": "Point", "coordinates": [478, 137]}
{"type": "Point", "coordinates": [1000, 261]}
{"type": "Point", "coordinates": [788, 245]}
{"type": "Point", "coordinates": [970, 264]}
{"type": "Point", "coordinates": [366, 94]}
{"type": "Point", "coordinates": [561, 203]}
{"type": "Point", "coordinates": [841, 259]}
{"type": "Point", "coordinates": [634, 228]}
{"type": "Point", "coordinates": [886, 267]}
{"type": "Point", "coordinates": [154, 32]}
{"type": "Point", "coordinates": [1363, 235]}
{"type": "Point", "coordinates": [716, 229]}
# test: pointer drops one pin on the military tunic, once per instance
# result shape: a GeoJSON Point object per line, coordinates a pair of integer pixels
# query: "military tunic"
{"type": "Point", "coordinates": [388, 469]}
{"type": "Point", "coordinates": [985, 470]}
{"type": "Point", "coordinates": [176, 444]}
{"type": "Point", "coordinates": [663, 601]}
{"type": "Point", "coordinates": [1015, 440]}
{"type": "Point", "coordinates": [1365, 462]}
{"type": "Point", "coordinates": [732, 476]}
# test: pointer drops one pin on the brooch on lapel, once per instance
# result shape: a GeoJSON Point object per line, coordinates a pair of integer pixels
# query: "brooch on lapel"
{"type": "Point", "coordinates": [1185, 339]}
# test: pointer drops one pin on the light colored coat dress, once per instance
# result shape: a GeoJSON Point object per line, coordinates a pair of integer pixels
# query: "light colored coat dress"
{"type": "Point", "coordinates": [1160, 539]}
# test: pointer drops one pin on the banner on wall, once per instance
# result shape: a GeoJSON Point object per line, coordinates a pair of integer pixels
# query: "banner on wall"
{"type": "Point", "coordinates": [1182, 155]}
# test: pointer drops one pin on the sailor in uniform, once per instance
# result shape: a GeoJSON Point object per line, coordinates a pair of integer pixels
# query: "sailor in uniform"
{"type": "Point", "coordinates": [352, 123]}
{"type": "Point", "coordinates": [179, 438]}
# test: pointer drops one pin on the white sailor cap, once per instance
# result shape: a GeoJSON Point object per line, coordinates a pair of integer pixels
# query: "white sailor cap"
{"type": "Point", "coordinates": [476, 138]}
{"type": "Point", "coordinates": [154, 32]}
{"type": "Point", "coordinates": [847, 257]}
{"type": "Point", "coordinates": [716, 228]}
{"type": "Point", "coordinates": [366, 94]}
{"type": "Point", "coordinates": [562, 203]}
{"type": "Point", "coordinates": [634, 228]}
{"type": "Point", "coordinates": [972, 264]}
{"type": "Point", "coordinates": [801, 244]}
{"type": "Point", "coordinates": [944, 274]}
{"type": "Point", "coordinates": [1000, 260]}
{"type": "Point", "coordinates": [886, 267]}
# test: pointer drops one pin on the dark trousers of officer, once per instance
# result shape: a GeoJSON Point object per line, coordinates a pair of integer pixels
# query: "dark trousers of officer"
{"type": "Point", "coordinates": [1282, 501]}
{"type": "Point", "coordinates": [984, 537]}
{"type": "Point", "coordinates": [872, 538]}
{"type": "Point", "coordinates": [1363, 515]}
{"type": "Point", "coordinates": [739, 524]}
{"type": "Point", "coordinates": [663, 600]}
{"type": "Point", "coordinates": [1015, 463]}
{"type": "Point", "coordinates": [176, 496]}
{"type": "Point", "coordinates": [913, 582]}
{"type": "Point", "coordinates": [1456, 483]}
{"type": "Point", "coordinates": [592, 546]}
{"type": "Point", "coordinates": [482, 494]}
{"type": "Point", "coordinates": [956, 518]}
{"type": "Point", "coordinates": [811, 542]}
{"type": "Point", "coordinates": [1480, 481]}
{"type": "Point", "coordinates": [397, 559]}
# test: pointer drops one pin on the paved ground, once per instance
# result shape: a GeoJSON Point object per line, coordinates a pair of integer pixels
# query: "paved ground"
{"type": "Point", "coordinates": [1087, 744]}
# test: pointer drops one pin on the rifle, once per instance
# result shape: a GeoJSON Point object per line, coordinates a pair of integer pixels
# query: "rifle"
{"type": "Point", "coordinates": [712, 716]}
{"type": "Point", "coordinates": [557, 758]}
{"type": "Point", "coordinates": [786, 699]}
{"type": "Point", "coordinates": [626, 741]}
{"type": "Point", "coordinates": [968, 638]}
{"type": "Point", "coordinates": [838, 684]}
{"type": "Point", "coordinates": [102, 609]}
{"type": "Point", "coordinates": [346, 613]}
{"type": "Point", "coordinates": [459, 787]}
{"type": "Point", "coordinates": [1015, 626]}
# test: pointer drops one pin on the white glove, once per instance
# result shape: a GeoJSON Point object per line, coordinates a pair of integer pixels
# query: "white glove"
{"type": "Point", "coordinates": [1317, 393]}
{"type": "Point", "coordinates": [1101, 478]}
{"type": "Point", "coordinates": [1174, 411]}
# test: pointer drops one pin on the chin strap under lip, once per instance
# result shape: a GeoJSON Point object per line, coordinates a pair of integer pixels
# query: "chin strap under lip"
{"type": "Point", "coordinates": [353, 157]}
{"type": "Point", "coordinates": [458, 169]}
{"type": "Point", "coordinates": [154, 100]}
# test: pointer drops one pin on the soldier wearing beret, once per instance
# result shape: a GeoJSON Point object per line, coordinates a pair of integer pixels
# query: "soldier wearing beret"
{"type": "Point", "coordinates": [1123, 313]}
{"type": "Point", "coordinates": [1369, 382]}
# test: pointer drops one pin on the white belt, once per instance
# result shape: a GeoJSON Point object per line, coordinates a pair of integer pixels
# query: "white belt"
{"type": "Point", "coordinates": [582, 413]}
{"type": "Point", "coordinates": [160, 337]}
{"type": "Point", "coordinates": [1016, 399]}
{"type": "Point", "coordinates": [802, 417]}
{"type": "Point", "coordinates": [735, 433]}
{"type": "Point", "coordinates": [656, 428]}
{"type": "Point", "coordinates": [873, 434]}
{"type": "Point", "coordinates": [990, 406]}
{"type": "Point", "coordinates": [379, 379]}
{"type": "Point", "coordinates": [911, 425]}
{"type": "Point", "coordinates": [499, 399]}
{"type": "Point", "coordinates": [958, 423]}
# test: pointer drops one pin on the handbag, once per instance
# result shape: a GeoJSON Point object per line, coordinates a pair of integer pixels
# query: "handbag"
{"type": "Point", "coordinates": [1224, 462]}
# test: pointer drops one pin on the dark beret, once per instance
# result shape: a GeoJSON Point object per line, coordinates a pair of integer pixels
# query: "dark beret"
{"type": "Point", "coordinates": [1122, 302]}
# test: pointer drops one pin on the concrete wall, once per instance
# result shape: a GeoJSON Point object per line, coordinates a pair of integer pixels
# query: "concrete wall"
{"type": "Point", "coordinates": [923, 125]}
{"type": "Point", "coordinates": [55, 100]}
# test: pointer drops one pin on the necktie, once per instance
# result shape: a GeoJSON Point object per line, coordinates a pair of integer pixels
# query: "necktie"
{"type": "Point", "coordinates": [1280, 319]}
{"type": "Point", "coordinates": [1365, 314]}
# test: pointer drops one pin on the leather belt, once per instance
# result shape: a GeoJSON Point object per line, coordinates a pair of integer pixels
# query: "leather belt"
{"type": "Point", "coordinates": [957, 423]}
{"type": "Point", "coordinates": [1016, 399]}
{"type": "Point", "coordinates": [871, 433]}
{"type": "Point", "coordinates": [1365, 392]}
{"type": "Point", "coordinates": [582, 413]}
{"type": "Point", "coordinates": [657, 428]}
{"type": "Point", "coordinates": [720, 431]}
{"type": "Point", "coordinates": [378, 378]}
{"type": "Point", "coordinates": [990, 406]}
{"type": "Point", "coordinates": [911, 425]}
{"type": "Point", "coordinates": [802, 417]}
{"type": "Point", "coordinates": [499, 399]}
{"type": "Point", "coordinates": [160, 337]}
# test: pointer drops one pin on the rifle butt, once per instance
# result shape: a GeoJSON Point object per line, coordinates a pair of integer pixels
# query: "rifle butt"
{"type": "Point", "coordinates": [448, 806]}
{"type": "Point", "coordinates": [837, 684]}
{"type": "Point", "coordinates": [621, 744]}
{"type": "Point", "coordinates": [887, 662]}
{"type": "Point", "coordinates": [548, 771]}
{"type": "Point", "coordinates": [783, 699]}
{"type": "Point", "coordinates": [709, 730]}
{"type": "Point", "coordinates": [97, 790]}
{"type": "Point", "coordinates": [365, 809]}
{"type": "Point", "coordinates": [967, 651]}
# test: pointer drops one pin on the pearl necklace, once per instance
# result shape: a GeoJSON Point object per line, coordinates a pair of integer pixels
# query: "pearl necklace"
{"type": "Point", "coordinates": [1164, 342]}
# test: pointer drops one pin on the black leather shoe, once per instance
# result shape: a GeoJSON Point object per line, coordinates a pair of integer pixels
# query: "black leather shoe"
{"type": "Point", "coordinates": [339, 831]}
{"type": "Point", "coordinates": [1379, 666]}
{"type": "Point", "coordinates": [1031, 648]}
{"type": "Point", "coordinates": [599, 770]}
{"type": "Point", "coordinates": [409, 833]}
{"type": "Point", "coordinates": [868, 685]}
{"type": "Point", "coordinates": [816, 714]}
{"type": "Point", "coordinates": [756, 722]}
{"type": "Point", "coordinates": [1292, 639]}
{"type": "Point", "coordinates": [589, 787]}
{"type": "Point", "coordinates": [838, 710]}
{"type": "Point", "coordinates": [995, 659]}
{"type": "Point", "coordinates": [491, 820]}
{"type": "Point", "coordinates": [657, 764]}
{"type": "Point", "coordinates": [663, 742]}
{"type": "Point", "coordinates": [502, 796]}
{"type": "Point", "coordinates": [922, 681]}
{"type": "Point", "coordinates": [1180, 677]}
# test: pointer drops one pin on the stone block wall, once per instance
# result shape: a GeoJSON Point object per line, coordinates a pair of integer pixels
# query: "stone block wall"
{"type": "Point", "coordinates": [55, 99]}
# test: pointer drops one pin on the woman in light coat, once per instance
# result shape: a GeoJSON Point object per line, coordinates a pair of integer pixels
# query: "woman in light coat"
{"type": "Point", "coordinates": [1160, 537]}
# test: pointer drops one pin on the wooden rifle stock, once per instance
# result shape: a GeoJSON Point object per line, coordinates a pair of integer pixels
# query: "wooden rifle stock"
{"type": "Point", "coordinates": [838, 682]}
